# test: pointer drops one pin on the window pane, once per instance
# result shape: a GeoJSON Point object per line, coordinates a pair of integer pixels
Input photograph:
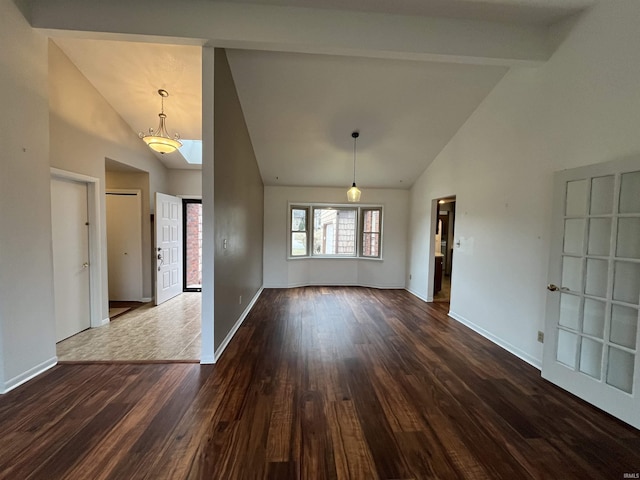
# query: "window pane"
{"type": "Point", "coordinates": [371, 245]}
{"type": "Point", "coordinates": [597, 277]}
{"type": "Point", "coordinates": [567, 348]}
{"type": "Point", "coordinates": [628, 243]}
{"type": "Point", "coordinates": [591, 357]}
{"type": "Point", "coordinates": [599, 236]}
{"type": "Point", "coordinates": [576, 198]}
{"type": "Point", "coordinates": [602, 195]}
{"type": "Point", "coordinates": [624, 326]}
{"type": "Point", "coordinates": [593, 320]}
{"type": "Point", "coordinates": [572, 273]}
{"type": "Point", "coordinates": [334, 231]}
{"type": "Point", "coordinates": [629, 198]}
{"type": "Point", "coordinates": [620, 371]}
{"type": "Point", "coordinates": [298, 244]}
{"type": "Point", "coordinates": [298, 220]}
{"type": "Point", "coordinates": [574, 235]}
{"type": "Point", "coordinates": [569, 311]}
{"type": "Point", "coordinates": [371, 221]}
{"type": "Point", "coordinates": [626, 282]}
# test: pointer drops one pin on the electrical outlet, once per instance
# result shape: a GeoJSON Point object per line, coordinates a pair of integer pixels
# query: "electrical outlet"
{"type": "Point", "coordinates": [240, 300]}
{"type": "Point", "coordinates": [540, 336]}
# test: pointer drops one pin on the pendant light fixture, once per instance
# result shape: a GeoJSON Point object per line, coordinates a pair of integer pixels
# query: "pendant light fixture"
{"type": "Point", "coordinates": [353, 194]}
{"type": "Point", "coordinates": [159, 140]}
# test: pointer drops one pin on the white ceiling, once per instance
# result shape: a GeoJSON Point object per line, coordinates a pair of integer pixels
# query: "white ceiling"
{"type": "Point", "coordinates": [300, 109]}
{"type": "Point", "coordinates": [531, 12]}
{"type": "Point", "coordinates": [129, 75]}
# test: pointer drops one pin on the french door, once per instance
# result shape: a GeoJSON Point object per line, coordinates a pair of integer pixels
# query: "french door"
{"type": "Point", "coordinates": [593, 302]}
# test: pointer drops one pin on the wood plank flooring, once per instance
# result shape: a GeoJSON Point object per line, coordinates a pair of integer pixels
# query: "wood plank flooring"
{"type": "Point", "coordinates": [318, 383]}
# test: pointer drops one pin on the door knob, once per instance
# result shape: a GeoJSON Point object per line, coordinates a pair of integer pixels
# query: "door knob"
{"type": "Point", "coordinates": [554, 288]}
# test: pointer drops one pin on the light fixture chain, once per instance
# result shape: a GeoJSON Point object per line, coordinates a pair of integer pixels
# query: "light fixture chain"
{"type": "Point", "coordinates": [355, 139]}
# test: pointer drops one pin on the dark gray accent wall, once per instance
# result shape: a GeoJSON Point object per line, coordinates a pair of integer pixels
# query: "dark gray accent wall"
{"type": "Point", "coordinates": [238, 210]}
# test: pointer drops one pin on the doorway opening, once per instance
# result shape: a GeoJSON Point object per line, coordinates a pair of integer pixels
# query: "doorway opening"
{"type": "Point", "coordinates": [192, 240]}
{"type": "Point", "coordinates": [443, 251]}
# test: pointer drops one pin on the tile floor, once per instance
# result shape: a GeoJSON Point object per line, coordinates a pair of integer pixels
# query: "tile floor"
{"type": "Point", "coordinates": [170, 331]}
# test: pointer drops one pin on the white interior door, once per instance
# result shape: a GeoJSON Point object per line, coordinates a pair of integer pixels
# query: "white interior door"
{"type": "Point", "coordinates": [70, 237]}
{"type": "Point", "coordinates": [591, 331]}
{"type": "Point", "coordinates": [168, 251]}
{"type": "Point", "coordinates": [124, 244]}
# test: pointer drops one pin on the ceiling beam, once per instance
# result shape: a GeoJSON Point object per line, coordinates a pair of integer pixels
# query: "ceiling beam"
{"type": "Point", "coordinates": [295, 29]}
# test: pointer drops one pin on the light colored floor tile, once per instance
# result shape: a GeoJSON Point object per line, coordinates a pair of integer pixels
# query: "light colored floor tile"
{"type": "Point", "coordinates": [170, 331]}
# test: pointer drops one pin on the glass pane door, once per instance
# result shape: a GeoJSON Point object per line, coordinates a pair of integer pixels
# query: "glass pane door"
{"type": "Point", "coordinates": [593, 312]}
{"type": "Point", "coordinates": [192, 217]}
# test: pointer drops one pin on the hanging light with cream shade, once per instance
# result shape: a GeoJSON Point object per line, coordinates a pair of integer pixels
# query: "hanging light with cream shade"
{"type": "Point", "coordinates": [353, 194]}
{"type": "Point", "coordinates": [159, 140]}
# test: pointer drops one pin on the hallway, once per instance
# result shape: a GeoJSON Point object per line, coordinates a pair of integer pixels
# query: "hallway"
{"type": "Point", "coordinates": [170, 331]}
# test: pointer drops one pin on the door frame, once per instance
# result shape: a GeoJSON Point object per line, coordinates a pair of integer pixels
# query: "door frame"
{"type": "Point", "coordinates": [95, 242]}
{"type": "Point", "coordinates": [185, 201]}
{"type": "Point", "coordinates": [432, 250]}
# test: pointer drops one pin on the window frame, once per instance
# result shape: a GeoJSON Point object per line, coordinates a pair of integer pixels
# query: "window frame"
{"type": "Point", "coordinates": [310, 208]}
{"type": "Point", "coordinates": [307, 210]}
{"type": "Point", "coordinates": [362, 232]}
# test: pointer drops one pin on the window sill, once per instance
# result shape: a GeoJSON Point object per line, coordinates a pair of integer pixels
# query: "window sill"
{"type": "Point", "coordinates": [320, 257]}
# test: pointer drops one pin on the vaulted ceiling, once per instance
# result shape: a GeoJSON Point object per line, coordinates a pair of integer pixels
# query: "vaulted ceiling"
{"type": "Point", "coordinates": [301, 107]}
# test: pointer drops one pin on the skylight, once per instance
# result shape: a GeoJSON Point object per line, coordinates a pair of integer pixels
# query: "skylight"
{"type": "Point", "coordinates": [191, 150]}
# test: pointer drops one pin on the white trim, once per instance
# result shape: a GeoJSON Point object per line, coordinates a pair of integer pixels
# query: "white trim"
{"type": "Point", "coordinates": [234, 329]}
{"type": "Point", "coordinates": [208, 360]}
{"type": "Point", "coordinates": [147, 299]}
{"type": "Point", "coordinates": [105, 321]}
{"type": "Point", "coordinates": [534, 362]}
{"type": "Point", "coordinates": [28, 375]}
{"type": "Point", "coordinates": [337, 284]}
{"type": "Point", "coordinates": [416, 294]}
{"type": "Point", "coordinates": [94, 198]}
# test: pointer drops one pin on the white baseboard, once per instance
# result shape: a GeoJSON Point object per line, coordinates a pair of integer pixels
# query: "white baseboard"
{"type": "Point", "coordinates": [104, 322]}
{"type": "Point", "coordinates": [337, 284]}
{"type": "Point", "coordinates": [147, 299]}
{"type": "Point", "coordinates": [208, 360]}
{"type": "Point", "coordinates": [234, 329]}
{"type": "Point", "coordinates": [28, 375]}
{"type": "Point", "coordinates": [421, 297]}
{"type": "Point", "coordinates": [534, 362]}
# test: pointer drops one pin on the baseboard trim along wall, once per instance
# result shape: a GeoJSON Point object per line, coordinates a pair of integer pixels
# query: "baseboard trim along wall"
{"type": "Point", "coordinates": [218, 353]}
{"type": "Point", "coordinates": [416, 294]}
{"type": "Point", "coordinates": [28, 375]}
{"type": "Point", "coordinates": [534, 362]}
{"type": "Point", "coordinates": [334, 284]}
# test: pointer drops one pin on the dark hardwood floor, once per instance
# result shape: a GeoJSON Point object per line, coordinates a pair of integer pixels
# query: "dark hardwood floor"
{"type": "Point", "coordinates": [317, 383]}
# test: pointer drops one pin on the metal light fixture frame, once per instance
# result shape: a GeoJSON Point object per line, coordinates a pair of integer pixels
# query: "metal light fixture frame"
{"type": "Point", "coordinates": [353, 194]}
{"type": "Point", "coordinates": [159, 140]}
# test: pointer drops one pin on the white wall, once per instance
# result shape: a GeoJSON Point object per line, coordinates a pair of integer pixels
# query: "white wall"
{"type": "Point", "coordinates": [581, 107]}
{"type": "Point", "coordinates": [238, 210]}
{"type": "Point", "coordinates": [184, 182]}
{"type": "Point", "coordinates": [387, 273]}
{"type": "Point", "coordinates": [85, 131]}
{"type": "Point", "coordinates": [27, 322]}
